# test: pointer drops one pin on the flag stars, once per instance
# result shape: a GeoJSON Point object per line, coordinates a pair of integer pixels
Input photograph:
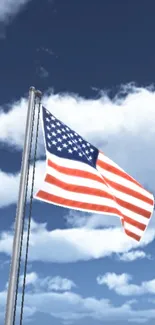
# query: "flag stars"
{"type": "Point", "coordinates": [64, 142]}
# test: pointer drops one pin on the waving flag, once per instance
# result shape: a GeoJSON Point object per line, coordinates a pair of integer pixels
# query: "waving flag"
{"type": "Point", "coordinates": [79, 176]}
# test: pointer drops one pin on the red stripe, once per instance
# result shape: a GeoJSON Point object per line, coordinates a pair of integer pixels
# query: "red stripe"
{"type": "Point", "coordinates": [128, 191]}
{"type": "Point", "coordinates": [132, 235]}
{"type": "Point", "coordinates": [134, 223]}
{"type": "Point", "coordinates": [96, 192]}
{"type": "Point", "coordinates": [49, 197]}
{"type": "Point", "coordinates": [74, 172]}
{"type": "Point", "coordinates": [133, 208]}
{"type": "Point", "coordinates": [86, 190]}
{"type": "Point", "coordinates": [116, 171]}
{"type": "Point", "coordinates": [91, 176]}
{"type": "Point", "coordinates": [75, 204]}
{"type": "Point", "coordinates": [77, 188]}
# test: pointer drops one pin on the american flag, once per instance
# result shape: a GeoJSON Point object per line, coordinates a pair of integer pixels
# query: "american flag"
{"type": "Point", "coordinates": [79, 176]}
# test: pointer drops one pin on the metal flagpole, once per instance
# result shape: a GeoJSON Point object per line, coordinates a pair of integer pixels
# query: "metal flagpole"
{"type": "Point", "coordinates": [11, 294]}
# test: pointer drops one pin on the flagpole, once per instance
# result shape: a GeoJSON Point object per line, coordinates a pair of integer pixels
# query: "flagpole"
{"type": "Point", "coordinates": [11, 294]}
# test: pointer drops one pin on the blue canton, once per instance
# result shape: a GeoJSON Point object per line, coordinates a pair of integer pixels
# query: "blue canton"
{"type": "Point", "coordinates": [66, 143]}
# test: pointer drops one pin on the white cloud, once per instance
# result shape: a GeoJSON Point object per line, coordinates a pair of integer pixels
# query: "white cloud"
{"type": "Point", "coordinates": [59, 284]}
{"type": "Point", "coordinates": [80, 219]}
{"type": "Point", "coordinates": [48, 283]}
{"type": "Point", "coordinates": [9, 8]}
{"type": "Point", "coordinates": [9, 191]}
{"type": "Point", "coordinates": [10, 185]}
{"type": "Point", "coordinates": [12, 132]}
{"type": "Point", "coordinates": [31, 278]}
{"type": "Point", "coordinates": [120, 283]}
{"type": "Point", "coordinates": [71, 245]}
{"type": "Point", "coordinates": [133, 255]}
{"type": "Point", "coordinates": [69, 306]}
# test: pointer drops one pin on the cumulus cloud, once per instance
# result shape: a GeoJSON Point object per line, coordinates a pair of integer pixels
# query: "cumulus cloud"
{"type": "Point", "coordinates": [49, 283]}
{"type": "Point", "coordinates": [69, 306]}
{"type": "Point", "coordinates": [76, 244]}
{"type": "Point", "coordinates": [31, 279]}
{"type": "Point", "coordinates": [120, 283]}
{"type": "Point", "coordinates": [133, 255]}
{"type": "Point", "coordinates": [80, 219]}
{"type": "Point", "coordinates": [9, 8]}
{"type": "Point", "coordinates": [58, 283]}
{"type": "Point", "coordinates": [12, 132]}
{"type": "Point", "coordinates": [9, 191]}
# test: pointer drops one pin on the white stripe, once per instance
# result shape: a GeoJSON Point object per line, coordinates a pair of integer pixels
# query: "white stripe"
{"type": "Point", "coordinates": [133, 229]}
{"type": "Point", "coordinates": [80, 209]}
{"type": "Point", "coordinates": [107, 160]}
{"type": "Point", "coordinates": [68, 163]}
{"type": "Point", "coordinates": [86, 198]}
{"type": "Point", "coordinates": [134, 216]}
{"type": "Point", "coordinates": [131, 199]}
{"type": "Point", "coordinates": [122, 181]}
{"type": "Point", "coordinates": [79, 181]}
{"type": "Point", "coordinates": [63, 162]}
{"type": "Point", "coordinates": [74, 208]}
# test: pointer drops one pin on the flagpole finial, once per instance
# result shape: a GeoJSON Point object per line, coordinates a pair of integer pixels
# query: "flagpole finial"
{"type": "Point", "coordinates": [32, 88]}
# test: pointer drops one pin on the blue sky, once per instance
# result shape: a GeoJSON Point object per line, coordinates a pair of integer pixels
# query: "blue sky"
{"type": "Point", "coordinates": [94, 62]}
